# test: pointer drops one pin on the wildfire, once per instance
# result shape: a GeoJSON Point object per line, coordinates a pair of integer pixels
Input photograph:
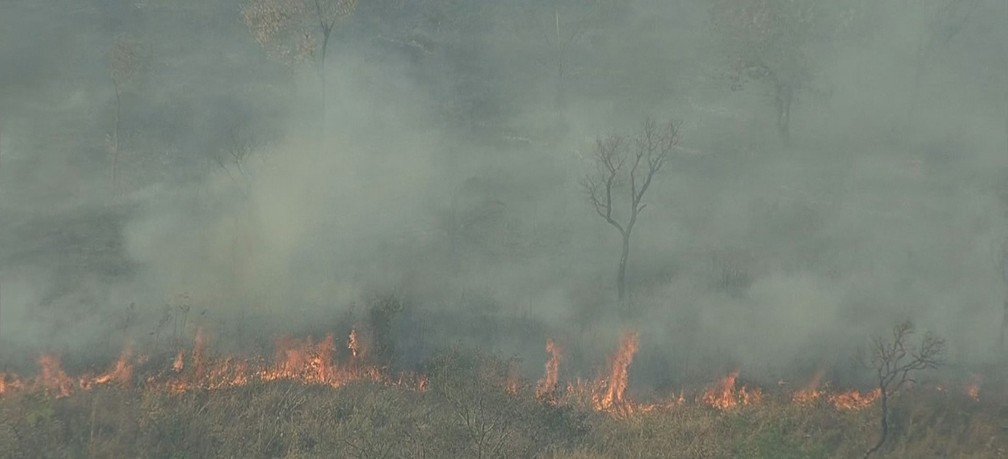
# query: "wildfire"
{"type": "Point", "coordinates": [854, 400]}
{"type": "Point", "coordinates": [547, 386]}
{"type": "Point", "coordinates": [973, 391]}
{"type": "Point", "coordinates": [53, 380]}
{"type": "Point", "coordinates": [179, 361]}
{"type": "Point", "coordinates": [52, 377]}
{"type": "Point", "coordinates": [121, 372]}
{"type": "Point", "coordinates": [295, 360]}
{"type": "Point", "coordinates": [10, 383]}
{"type": "Point", "coordinates": [353, 343]}
{"type": "Point", "coordinates": [847, 400]}
{"type": "Point", "coordinates": [811, 392]}
{"type": "Point", "coordinates": [318, 363]}
{"type": "Point", "coordinates": [724, 394]}
{"type": "Point", "coordinates": [615, 385]}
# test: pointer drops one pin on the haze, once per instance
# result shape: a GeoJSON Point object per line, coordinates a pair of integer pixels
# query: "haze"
{"type": "Point", "coordinates": [444, 166]}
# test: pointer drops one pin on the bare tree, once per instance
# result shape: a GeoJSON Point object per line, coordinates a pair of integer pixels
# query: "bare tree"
{"type": "Point", "coordinates": [768, 40]}
{"type": "Point", "coordinates": [297, 31]}
{"type": "Point", "coordinates": [624, 171]}
{"type": "Point", "coordinates": [942, 21]}
{"type": "Point", "coordinates": [1001, 263]}
{"type": "Point", "coordinates": [894, 361]}
{"type": "Point", "coordinates": [241, 143]}
{"type": "Point", "coordinates": [123, 65]}
{"type": "Point", "coordinates": [563, 25]}
{"type": "Point", "coordinates": [1004, 67]}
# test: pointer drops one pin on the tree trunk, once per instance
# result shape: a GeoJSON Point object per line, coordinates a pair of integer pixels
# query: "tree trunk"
{"type": "Point", "coordinates": [326, 33]}
{"type": "Point", "coordinates": [561, 99]}
{"type": "Point", "coordinates": [115, 139]}
{"type": "Point", "coordinates": [785, 95]}
{"type": "Point", "coordinates": [1004, 328]}
{"type": "Point", "coordinates": [621, 273]}
{"type": "Point", "coordinates": [884, 427]}
{"type": "Point", "coordinates": [1004, 57]}
{"type": "Point", "coordinates": [1004, 63]}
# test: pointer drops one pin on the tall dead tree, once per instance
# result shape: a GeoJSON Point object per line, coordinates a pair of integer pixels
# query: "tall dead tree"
{"type": "Point", "coordinates": [769, 41]}
{"type": "Point", "coordinates": [624, 170]}
{"type": "Point", "coordinates": [297, 31]}
{"type": "Point", "coordinates": [123, 67]}
{"type": "Point", "coordinates": [1001, 264]}
{"type": "Point", "coordinates": [894, 361]}
{"type": "Point", "coordinates": [563, 26]}
{"type": "Point", "coordinates": [941, 20]}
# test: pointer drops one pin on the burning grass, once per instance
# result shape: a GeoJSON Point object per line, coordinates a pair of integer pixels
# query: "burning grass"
{"type": "Point", "coordinates": [319, 398]}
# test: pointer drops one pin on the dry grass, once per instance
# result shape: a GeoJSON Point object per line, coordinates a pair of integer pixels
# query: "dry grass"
{"type": "Point", "coordinates": [467, 413]}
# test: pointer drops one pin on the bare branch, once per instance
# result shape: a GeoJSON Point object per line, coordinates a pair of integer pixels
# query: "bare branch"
{"type": "Point", "coordinates": [289, 29]}
{"type": "Point", "coordinates": [618, 161]}
{"type": "Point", "coordinates": [895, 362]}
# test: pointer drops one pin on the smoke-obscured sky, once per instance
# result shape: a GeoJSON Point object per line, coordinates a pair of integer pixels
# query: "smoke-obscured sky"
{"type": "Point", "coordinates": [445, 166]}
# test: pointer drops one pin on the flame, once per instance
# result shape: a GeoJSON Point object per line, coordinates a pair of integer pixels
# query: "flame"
{"type": "Point", "coordinates": [52, 377]}
{"type": "Point", "coordinates": [121, 372]}
{"type": "Point", "coordinates": [10, 383]}
{"type": "Point", "coordinates": [854, 400]}
{"type": "Point", "coordinates": [811, 392]}
{"type": "Point", "coordinates": [547, 386]}
{"type": "Point", "coordinates": [199, 350]}
{"type": "Point", "coordinates": [306, 361]}
{"type": "Point", "coordinates": [324, 363]}
{"type": "Point", "coordinates": [724, 395]}
{"type": "Point", "coordinates": [353, 343]}
{"type": "Point", "coordinates": [973, 391]}
{"type": "Point", "coordinates": [179, 363]}
{"type": "Point", "coordinates": [611, 397]}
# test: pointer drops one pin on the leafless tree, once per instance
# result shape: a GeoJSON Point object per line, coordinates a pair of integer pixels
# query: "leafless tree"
{"type": "Point", "coordinates": [768, 40]}
{"type": "Point", "coordinates": [240, 144]}
{"type": "Point", "coordinates": [1001, 264]}
{"type": "Point", "coordinates": [624, 171]}
{"type": "Point", "coordinates": [942, 21]}
{"type": "Point", "coordinates": [297, 31]}
{"type": "Point", "coordinates": [124, 63]}
{"type": "Point", "coordinates": [894, 361]}
{"type": "Point", "coordinates": [563, 25]}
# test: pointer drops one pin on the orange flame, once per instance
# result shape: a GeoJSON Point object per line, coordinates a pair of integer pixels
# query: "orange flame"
{"type": "Point", "coordinates": [304, 361]}
{"type": "Point", "coordinates": [179, 363]}
{"type": "Point", "coordinates": [854, 400]}
{"type": "Point", "coordinates": [353, 343]}
{"type": "Point", "coordinates": [52, 377]}
{"type": "Point", "coordinates": [317, 363]}
{"type": "Point", "coordinates": [614, 386]}
{"type": "Point", "coordinates": [973, 391]}
{"type": "Point", "coordinates": [811, 392]}
{"type": "Point", "coordinates": [725, 396]}
{"type": "Point", "coordinates": [199, 350]}
{"type": "Point", "coordinates": [298, 360]}
{"type": "Point", "coordinates": [547, 386]}
{"type": "Point", "coordinates": [121, 372]}
{"type": "Point", "coordinates": [10, 383]}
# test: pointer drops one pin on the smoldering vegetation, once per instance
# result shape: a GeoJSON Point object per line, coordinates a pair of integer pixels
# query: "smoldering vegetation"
{"type": "Point", "coordinates": [838, 170]}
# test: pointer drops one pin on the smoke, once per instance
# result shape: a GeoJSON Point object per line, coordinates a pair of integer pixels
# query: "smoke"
{"type": "Point", "coordinates": [445, 171]}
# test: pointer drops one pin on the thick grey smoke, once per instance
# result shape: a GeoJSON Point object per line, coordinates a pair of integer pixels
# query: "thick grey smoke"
{"type": "Point", "coordinates": [446, 170]}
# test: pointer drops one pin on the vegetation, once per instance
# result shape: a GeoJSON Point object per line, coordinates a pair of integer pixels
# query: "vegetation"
{"type": "Point", "coordinates": [467, 411]}
{"type": "Point", "coordinates": [445, 166]}
{"type": "Point", "coordinates": [895, 362]}
{"type": "Point", "coordinates": [624, 171]}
